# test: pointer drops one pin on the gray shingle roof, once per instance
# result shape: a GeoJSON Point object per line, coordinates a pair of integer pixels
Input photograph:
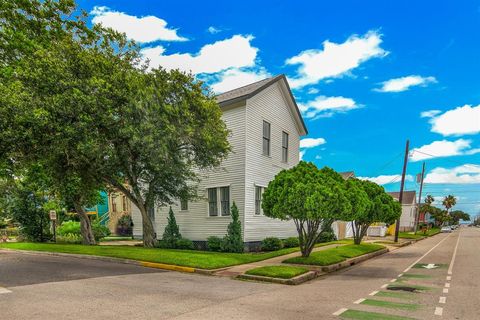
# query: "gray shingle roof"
{"type": "Point", "coordinates": [408, 196]}
{"type": "Point", "coordinates": [248, 91]}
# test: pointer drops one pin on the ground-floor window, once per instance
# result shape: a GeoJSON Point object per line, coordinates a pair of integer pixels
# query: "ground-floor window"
{"type": "Point", "coordinates": [258, 200]}
{"type": "Point", "coordinates": [218, 198]}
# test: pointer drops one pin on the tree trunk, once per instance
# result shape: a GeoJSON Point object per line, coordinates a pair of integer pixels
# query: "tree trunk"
{"type": "Point", "coordinates": [85, 225]}
{"type": "Point", "coordinates": [149, 236]}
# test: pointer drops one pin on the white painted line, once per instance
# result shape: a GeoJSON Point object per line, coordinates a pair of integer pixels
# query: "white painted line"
{"type": "Point", "coordinates": [339, 311]}
{"type": "Point", "coordinates": [384, 286]}
{"type": "Point", "coordinates": [393, 280]}
{"type": "Point", "coordinates": [359, 301]}
{"type": "Point", "coordinates": [450, 268]}
{"type": "Point", "coordinates": [400, 275]}
{"type": "Point", "coordinates": [447, 285]}
{"type": "Point", "coordinates": [4, 290]}
{"type": "Point", "coordinates": [442, 300]}
{"type": "Point", "coordinates": [449, 278]}
{"type": "Point", "coordinates": [418, 260]}
{"type": "Point", "coordinates": [445, 290]}
{"type": "Point", "coordinates": [373, 293]}
{"type": "Point", "coordinates": [438, 311]}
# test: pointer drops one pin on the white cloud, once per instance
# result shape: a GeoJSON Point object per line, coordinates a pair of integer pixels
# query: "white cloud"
{"type": "Point", "coordinates": [459, 121]}
{"type": "Point", "coordinates": [324, 106]}
{"type": "Point", "coordinates": [335, 60]}
{"type": "Point", "coordinates": [143, 30]}
{"type": "Point", "coordinates": [213, 30]}
{"type": "Point", "coordinates": [443, 148]}
{"type": "Point", "coordinates": [301, 154]}
{"type": "Point", "coordinates": [313, 91]}
{"type": "Point", "coordinates": [387, 179]}
{"type": "Point", "coordinates": [404, 83]}
{"type": "Point", "coordinates": [312, 142]}
{"type": "Point", "coordinates": [430, 113]}
{"type": "Point", "coordinates": [235, 78]}
{"type": "Point", "coordinates": [235, 52]}
{"type": "Point", "coordinates": [468, 173]}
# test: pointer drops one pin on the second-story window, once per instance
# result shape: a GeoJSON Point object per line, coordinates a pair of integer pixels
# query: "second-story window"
{"type": "Point", "coordinates": [284, 146]}
{"type": "Point", "coordinates": [266, 138]}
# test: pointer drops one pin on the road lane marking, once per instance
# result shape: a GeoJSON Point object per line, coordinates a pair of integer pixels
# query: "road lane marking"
{"type": "Point", "coordinates": [419, 259]}
{"type": "Point", "coordinates": [4, 290]}
{"type": "Point", "coordinates": [447, 285]}
{"type": "Point", "coordinates": [450, 268]}
{"type": "Point", "coordinates": [359, 301]}
{"type": "Point", "coordinates": [449, 278]}
{"type": "Point", "coordinates": [384, 286]}
{"type": "Point", "coordinates": [438, 311]}
{"type": "Point", "coordinates": [393, 280]}
{"type": "Point", "coordinates": [339, 311]}
{"type": "Point", "coordinates": [400, 275]}
{"type": "Point", "coordinates": [445, 290]}
{"type": "Point", "coordinates": [373, 293]}
{"type": "Point", "coordinates": [442, 300]}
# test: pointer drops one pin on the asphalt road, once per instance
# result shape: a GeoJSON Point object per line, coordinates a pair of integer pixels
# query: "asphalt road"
{"type": "Point", "coordinates": [48, 287]}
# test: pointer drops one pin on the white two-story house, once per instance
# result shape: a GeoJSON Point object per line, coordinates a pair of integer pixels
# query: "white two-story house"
{"type": "Point", "coordinates": [266, 126]}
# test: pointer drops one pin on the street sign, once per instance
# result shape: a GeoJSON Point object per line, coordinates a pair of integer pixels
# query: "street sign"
{"type": "Point", "coordinates": [53, 215]}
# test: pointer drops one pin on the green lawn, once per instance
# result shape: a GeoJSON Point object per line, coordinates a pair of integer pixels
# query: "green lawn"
{"type": "Point", "coordinates": [364, 315]}
{"type": "Point", "coordinates": [336, 255]}
{"type": "Point", "coordinates": [389, 304]}
{"type": "Point", "coordinates": [411, 235]}
{"type": "Point", "coordinates": [186, 258]}
{"type": "Point", "coordinates": [283, 272]}
{"type": "Point", "coordinates": [116, 238]}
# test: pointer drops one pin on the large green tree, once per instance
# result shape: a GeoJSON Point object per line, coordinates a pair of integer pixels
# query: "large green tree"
{"type": "Point", "coordinates": [312, 198]}
{"type": "Point", "coordinates": [369, 204]}
{"type": "Point", "coordinates": [458, 215]}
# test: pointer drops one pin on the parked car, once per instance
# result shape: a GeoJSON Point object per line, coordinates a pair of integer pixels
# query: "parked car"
{"type": "Point", "coordinates": [446, 229]}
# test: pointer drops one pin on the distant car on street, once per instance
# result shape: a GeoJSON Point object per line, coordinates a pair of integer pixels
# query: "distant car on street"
{"type": "Point", "coordinates": [446, 229]}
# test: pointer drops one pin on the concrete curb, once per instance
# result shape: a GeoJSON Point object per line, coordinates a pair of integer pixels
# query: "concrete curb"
{"type": "Point", "coordinates": [293, 281]}
{"type": "Point", "coordinates": [145, 264]}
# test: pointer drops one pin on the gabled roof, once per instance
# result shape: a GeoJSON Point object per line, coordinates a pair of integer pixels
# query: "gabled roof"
{"type": "Point", "coordinates": [408, 196]}
{"type": "Point", "coordinates": [248, 91]}
{"type": "Point", "coordinates": [347, 174]}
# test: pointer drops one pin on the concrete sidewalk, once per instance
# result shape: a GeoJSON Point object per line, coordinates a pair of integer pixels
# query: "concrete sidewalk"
{"type": "Point", "coordinates": [240, 269]}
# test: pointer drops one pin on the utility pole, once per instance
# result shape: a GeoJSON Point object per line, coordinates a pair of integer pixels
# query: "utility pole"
{"type": "Point", "coordinates": [402, 184]}
{"type": "Point", "coordinates": [419, 199]}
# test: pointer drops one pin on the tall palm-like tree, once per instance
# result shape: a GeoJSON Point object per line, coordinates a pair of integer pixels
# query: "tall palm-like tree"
{"type": "Point", "coordinates": [429, 200]}
{"type": "Point", "coordinates": [449, 201]}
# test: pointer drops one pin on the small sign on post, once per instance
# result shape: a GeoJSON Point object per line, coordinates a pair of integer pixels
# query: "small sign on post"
{"type": "Point", "coordinates": [53, 218]}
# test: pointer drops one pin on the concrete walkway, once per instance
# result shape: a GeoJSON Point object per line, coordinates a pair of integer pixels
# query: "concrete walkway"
{"type": "Point", "coordinates": [240, 269]}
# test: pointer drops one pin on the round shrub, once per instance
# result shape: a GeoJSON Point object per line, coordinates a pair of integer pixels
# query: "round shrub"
{"type": "Point", "coordinates": [214, 243]}
{"type": "Point", "coordinates": [69, 238]}
{"type": "Point", "coordinates": [291, 242]}
{"type": "Point", "coordinates": [124, 226]}
{"type": "Point", "coordinates": [184, 244]}
{"type": "Point", "coordinates": [271, 244]}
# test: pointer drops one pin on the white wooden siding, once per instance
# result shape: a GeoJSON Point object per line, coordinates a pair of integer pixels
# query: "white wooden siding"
{"type": "Point", "coordinates": [270, 105]}
{"type": "Point", "coordinates": [195, 224]}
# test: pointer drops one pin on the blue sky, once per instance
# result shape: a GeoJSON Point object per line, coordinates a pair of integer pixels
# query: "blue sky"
{"type": "Point", "coordinates": [367, 75]}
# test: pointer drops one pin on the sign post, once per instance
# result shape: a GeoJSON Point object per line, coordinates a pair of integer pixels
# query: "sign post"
{"type": "Point", "coordinates": [53, 218]}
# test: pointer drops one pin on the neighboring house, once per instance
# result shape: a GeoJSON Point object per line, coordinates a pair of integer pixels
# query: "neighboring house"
{"type": "Point", "coordinates": [409, 209]}
{"type": "Point", "coordinates": [100, 210]}
{"type": "Point", "coordinates": [119, 205]}
{"type": "Point", "coordinates": [266, 126]}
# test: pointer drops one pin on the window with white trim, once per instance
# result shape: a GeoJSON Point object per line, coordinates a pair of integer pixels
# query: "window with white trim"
{"type": "Point", "coordinates": [258, 200]}
{"type": "Point", "coordinates": [266, 138]}
{"type": "Point", "coordinates": [284, 146]}
{"type": "Point", "coordinates": [218, 201]}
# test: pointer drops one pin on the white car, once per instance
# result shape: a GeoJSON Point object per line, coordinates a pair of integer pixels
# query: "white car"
{"type": "Point", "coordinates": [446, 229]}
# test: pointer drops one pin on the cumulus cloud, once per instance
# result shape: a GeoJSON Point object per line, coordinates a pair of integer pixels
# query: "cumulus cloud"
{"type": "Point", "coordinates": [235, 78]}
{"type": "Point", "coordinates": [459, 121]}
{"type": "Point", "coordinates": [387, 179]}
{"type": "Point", "coordinates": [443, 148]}
{"type": "Point", "coordinates": [235, 52]}
{"type": "Point", "coordinates": [312, 142]}
{"type": "Point", "coordinates": [468, 173]}
{"type": "Point", "coordinates": [335, 59]}
{"type": "Point", "coordinates": [405, 83]}
{"type": "Point", "coordinates": [141, 29]}
{"type": "Point", "coordinates": [324, 106]}
{"type": "Point", "coordinates": [430, 113]}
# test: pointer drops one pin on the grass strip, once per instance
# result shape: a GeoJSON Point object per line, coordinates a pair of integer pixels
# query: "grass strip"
{"type": "Point", "coordinates": [364, 315]}
{"type": "Point", "coordinates": [395, 294]}
{"type": "Point", "coordinates": [283, 272]}
{"type": "Point", "coordinates": [415, 276]}
{"type": "Point", "coordinates": [186, 258]}
{"type": "Point", "coordinates": [391, 305]}
{"type": "Point", "coordinates": [437, 266]}
{"type": "Point", "coordinates": [411, 286]}
{"type": "Point", "coordinates": [336, 255]}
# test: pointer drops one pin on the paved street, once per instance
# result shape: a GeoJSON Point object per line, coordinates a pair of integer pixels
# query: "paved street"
{"type": "Point", "coordinates": [47, 287]}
